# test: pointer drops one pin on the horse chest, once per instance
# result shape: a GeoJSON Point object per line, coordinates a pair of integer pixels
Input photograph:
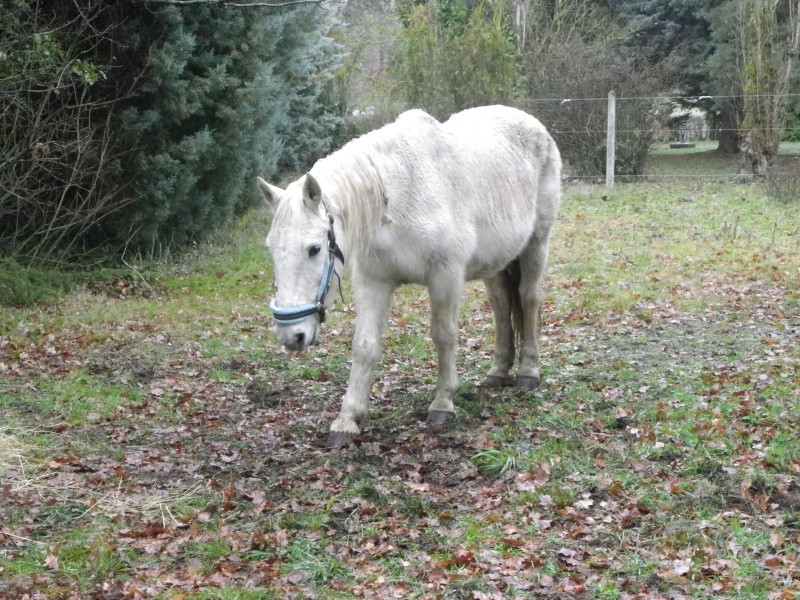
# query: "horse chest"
{"type": "Point", "coordinates": [411, 255]}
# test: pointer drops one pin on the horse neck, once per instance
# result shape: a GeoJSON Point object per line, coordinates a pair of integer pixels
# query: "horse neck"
{"type": "Point", "coordinates": [354, 193]}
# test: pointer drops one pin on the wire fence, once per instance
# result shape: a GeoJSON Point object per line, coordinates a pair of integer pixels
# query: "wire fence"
{"type": "Point", "coordinates": [668, 97]}
{"type": "Point", "coordinates": [678, 133]}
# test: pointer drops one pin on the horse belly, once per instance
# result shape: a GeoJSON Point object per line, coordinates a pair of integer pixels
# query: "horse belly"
{"type": "Point", "coordinates": [403, 254]}
{"type": "Point", "coordinates": [494, 249]}
{"type": "Point", "coordinates": [486, 265]}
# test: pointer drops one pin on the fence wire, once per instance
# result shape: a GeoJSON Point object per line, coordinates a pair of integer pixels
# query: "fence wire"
{"type": "Point", "coordinates": [702, 132]}
{"type": "Point", "coordinates": [670, 98]}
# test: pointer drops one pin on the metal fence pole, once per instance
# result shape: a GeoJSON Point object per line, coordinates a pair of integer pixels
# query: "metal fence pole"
{"type": "Point", "coordinates": [611, 137]}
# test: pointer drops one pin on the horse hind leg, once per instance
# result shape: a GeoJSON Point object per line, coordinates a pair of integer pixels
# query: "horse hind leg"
{"type": "Point", "coordinates": [445, 293]}
{"type": "Point", "coordinates": [502, 290]}
{"type": "Point", "coordinates": [533, 263]}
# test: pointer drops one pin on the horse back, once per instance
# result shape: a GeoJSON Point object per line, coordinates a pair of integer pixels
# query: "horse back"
{"type": "Point", "coordinates": [467, 191]}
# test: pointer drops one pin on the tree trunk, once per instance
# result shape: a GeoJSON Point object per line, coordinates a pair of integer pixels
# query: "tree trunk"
{"type": "Point", "coordinates": [728, 131]}
{"type": "Point", "coordinates": [754, 157]}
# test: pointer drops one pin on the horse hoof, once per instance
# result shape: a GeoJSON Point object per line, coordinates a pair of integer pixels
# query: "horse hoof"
{"type": "Point", "coordinates": [438, 418]}
{"type": "Point", "coordinates": [527, 382]}
{"type": "Point", "coordinates": [339, 439]}
{"type": "Point", "coordinates": [496, 381]}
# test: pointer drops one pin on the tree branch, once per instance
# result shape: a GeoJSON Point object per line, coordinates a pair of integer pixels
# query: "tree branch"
{"type": "Point", "coordinates": [233, 3]}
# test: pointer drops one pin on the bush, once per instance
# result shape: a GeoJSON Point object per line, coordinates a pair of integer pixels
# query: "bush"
{"type": "Point", "coordinates": [456, 59]}
{"type": "Point", "coordinates": [792, 131]}
{"type": "Point", "coordinates": [59, 156]}
{"type": "Point", "coordinates": [783, 186]}
{"type": "Point", "coordinates": [129, 126]}
{"type": "Point", "coordinates": [225, 95]}
{"type": "Point", "coordinates": [582, 75]}
{"type": "Point", "coordinates": [22, 286]}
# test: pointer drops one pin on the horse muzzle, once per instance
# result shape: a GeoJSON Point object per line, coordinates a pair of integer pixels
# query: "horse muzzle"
{"type": "Point", "coordinates": [299, 337]}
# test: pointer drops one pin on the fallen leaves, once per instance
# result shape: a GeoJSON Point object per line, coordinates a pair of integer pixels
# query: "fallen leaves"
{"type": "Point", "coordinates": [657, 460]}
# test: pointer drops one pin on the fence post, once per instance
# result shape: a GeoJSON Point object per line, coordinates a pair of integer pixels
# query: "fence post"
{"type": "Point", "coordinates": [611, 138]}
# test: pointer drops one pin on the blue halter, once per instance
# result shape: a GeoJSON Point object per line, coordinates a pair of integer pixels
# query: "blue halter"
{"type": "Point", "coordinates": [297, 314]}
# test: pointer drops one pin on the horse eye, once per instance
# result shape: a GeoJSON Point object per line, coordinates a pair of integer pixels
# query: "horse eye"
{"type": "Point", "coordinates": [314, 250]}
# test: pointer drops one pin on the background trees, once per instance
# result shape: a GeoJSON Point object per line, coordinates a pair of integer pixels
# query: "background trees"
{"type": "Point", "coordinates": [139, 126]}
{"type": "Point", "coordinates": [767, 44]}
{"type": "Point", "coordinates": [533, 54]}
{"type": "Point", "coordinates": [576, 52]}
{"type": "Point", "coordinates": [729, 56]}
{"type": "Point", "coordinates": [741, 52]}
{"type": "Point", "coordinates": [60, 160]}
{"type": "Point", "coordinates": [451, 57]}
{"type": "Point", "coordinates": [225, 94]}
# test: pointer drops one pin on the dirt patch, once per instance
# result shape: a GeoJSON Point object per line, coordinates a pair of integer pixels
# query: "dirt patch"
{"type": "Point", "coordinates": [265, 395]}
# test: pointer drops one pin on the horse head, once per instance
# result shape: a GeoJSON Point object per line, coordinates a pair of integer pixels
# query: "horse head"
{"type": "Point", "coordinates": [304, 254]}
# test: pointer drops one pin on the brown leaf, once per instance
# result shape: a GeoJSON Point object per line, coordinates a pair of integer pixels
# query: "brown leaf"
{"type": "Point", "coordinates": [572, 587]}
{"type": "Point", "coordinates": [615, 489]}
{"type": "Point", "coordinates": [546, 581]}
{"type": "Point", "coordinates": [51, 561]}
{"type": "Point", "coordinates": [681, 566]}
{"type": "Point", "coordinates": [774, 561]}
{"type": "Point", "coordinates": [540, 473]}
{"type": "Point", "coordinates": [755, 492]}
{"type": "Point", "coordinates": [296, 577]}
{"type": "Point", "coordinates": [776, 539]}
{"type": "Point", "coordinates": [570, 557]}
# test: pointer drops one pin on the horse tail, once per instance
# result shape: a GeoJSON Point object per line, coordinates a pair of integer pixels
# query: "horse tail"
{"type": "Point", "coordinates": [512, 281]}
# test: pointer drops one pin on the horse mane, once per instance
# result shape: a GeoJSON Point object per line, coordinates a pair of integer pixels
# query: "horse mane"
{"type": "Point", "coordinates": [354, 179]}
{"type": "Point", "coordinates": [353, 186]}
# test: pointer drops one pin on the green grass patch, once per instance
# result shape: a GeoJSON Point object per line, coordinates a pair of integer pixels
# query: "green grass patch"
{"type": "Point", "coordinates": [496, 462]}
{"type": "Point", "coordinates": [309, 558]}
{"type": "Point", "coordinates": [638, 245]}
{"type": "Point", "coordinates": [79, 397]}
{"type": "Point", "coordinates": [22, 286]}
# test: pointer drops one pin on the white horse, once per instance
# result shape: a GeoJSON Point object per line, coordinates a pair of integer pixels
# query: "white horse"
{"type": "Point", "coordinates": [418, 201]}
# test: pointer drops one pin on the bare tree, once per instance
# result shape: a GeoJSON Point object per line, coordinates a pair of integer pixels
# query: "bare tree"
{"type": "Point", "coordinates": [55, 137]}
{"type": "Point", "coordinates": [370, 31]}
{"type": "Point", "coordinates": [768, 44]}
{"type": "Point", "coordinates": [573, 58]}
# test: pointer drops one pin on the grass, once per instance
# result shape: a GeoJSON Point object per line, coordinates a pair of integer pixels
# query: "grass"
{"type": "Point", "coordinates": [700, 163]}
{"type": "Point", "coordinates": [642, 244]}
{"type": "Point", "coordinates": [77, 398]}
{"type": "Point", "coordinates": [159, 442]}
{"type": "Point", "coordinates": [25, 286]}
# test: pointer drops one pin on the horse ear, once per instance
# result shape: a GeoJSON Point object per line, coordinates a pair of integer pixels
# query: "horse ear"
{"type": "Point", "coordinates": [270, 192]}
{"type": "Point", "coordinates": [312, 193]}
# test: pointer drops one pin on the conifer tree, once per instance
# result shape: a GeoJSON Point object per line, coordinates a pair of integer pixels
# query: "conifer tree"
{"type": "Point", "coordinates": [144, 125]}
{"type": "Point", "coordinates": [229, 94]}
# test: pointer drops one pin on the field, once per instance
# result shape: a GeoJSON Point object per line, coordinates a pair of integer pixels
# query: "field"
{"type": "Point", "coordinates": [157, 443]}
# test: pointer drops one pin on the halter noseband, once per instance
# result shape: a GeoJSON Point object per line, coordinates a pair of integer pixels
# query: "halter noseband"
{"type": "Point", "coordinates": [291, 316]}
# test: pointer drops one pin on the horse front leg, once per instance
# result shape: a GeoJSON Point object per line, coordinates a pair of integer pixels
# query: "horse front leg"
{"type": "Point", "coordinates": [372, 302]}
{"type": "Point", "coordinates": [445, 292]}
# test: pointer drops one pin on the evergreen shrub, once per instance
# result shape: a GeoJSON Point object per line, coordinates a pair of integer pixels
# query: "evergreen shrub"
{"type": "Point", "coordinates": [134, 126]}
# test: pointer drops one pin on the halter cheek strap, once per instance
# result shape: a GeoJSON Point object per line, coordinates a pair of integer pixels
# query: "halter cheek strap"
{"type": "Point", "coordinates": [297, 314]}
